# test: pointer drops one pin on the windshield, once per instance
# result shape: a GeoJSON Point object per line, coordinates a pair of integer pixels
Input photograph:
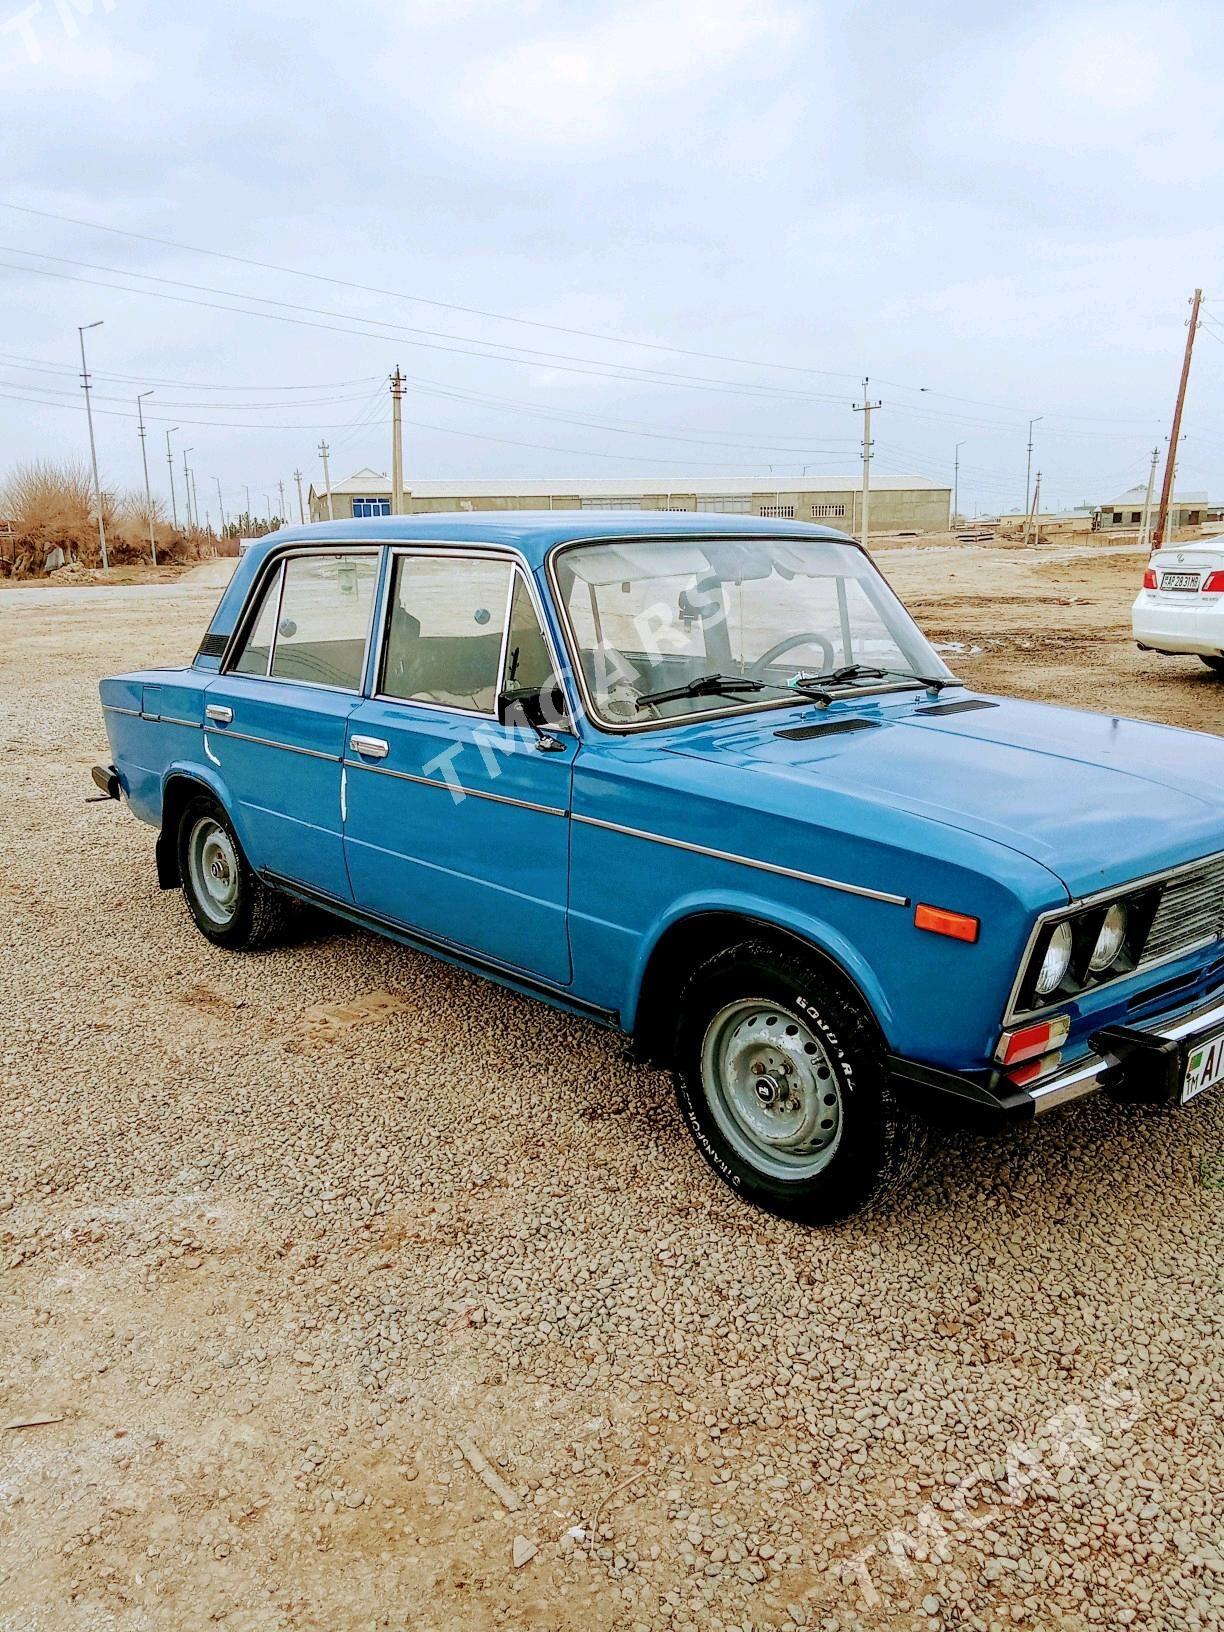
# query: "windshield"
{"type": "Point", "coordinates": [653, 616]}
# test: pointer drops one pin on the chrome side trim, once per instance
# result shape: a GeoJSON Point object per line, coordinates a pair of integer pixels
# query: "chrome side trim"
{"type": "Point", "coordinates": [1164, 876]}
{"type": "Point", "coordinates": [226, 735]}
{"type": "Point", "coordinates": [153, 719]}
{"type": "Point", "coordinates": [747, 861]}
{"type": "Point", "coordinates": [454, 788]}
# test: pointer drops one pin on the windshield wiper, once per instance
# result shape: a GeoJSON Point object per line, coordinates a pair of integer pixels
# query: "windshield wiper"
{"type": "Point", "coordinates": [705, 685]}
{"type": "Point", "coordinates": [849, 672]}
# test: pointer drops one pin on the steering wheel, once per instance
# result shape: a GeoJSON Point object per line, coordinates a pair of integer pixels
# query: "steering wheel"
{"type": "Point", "coordinates": [828, 657]}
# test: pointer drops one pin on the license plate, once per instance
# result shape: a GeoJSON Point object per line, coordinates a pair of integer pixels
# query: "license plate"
{"type": "Point", "coordinates": [1204, 1069]}
{"type": "Point", "coordinates": [1179, 580]}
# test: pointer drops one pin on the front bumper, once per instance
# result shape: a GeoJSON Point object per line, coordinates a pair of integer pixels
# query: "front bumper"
{"type": "Point", "coordinates": [1132, 1064]}
{"type": "Point", "coordinates": [1135, 1063]}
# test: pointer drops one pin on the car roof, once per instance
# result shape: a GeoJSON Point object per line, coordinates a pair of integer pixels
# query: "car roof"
{"type": "Point", "coordinates": [534, 532]}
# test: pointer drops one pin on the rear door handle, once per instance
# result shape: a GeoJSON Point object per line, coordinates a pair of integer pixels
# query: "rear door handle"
{"type": "Point", "coordinates": [218, 712]}
{"type": "Point", "coordinates": [370, 747]}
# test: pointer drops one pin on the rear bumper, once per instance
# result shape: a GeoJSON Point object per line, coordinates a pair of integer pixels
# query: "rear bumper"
{"type": "Point", "coordinates": [1195, 628]}
{"type": "Point", "coordinates": [1132, 1064]}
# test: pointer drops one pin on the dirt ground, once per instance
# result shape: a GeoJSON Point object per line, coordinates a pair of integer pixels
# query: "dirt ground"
{"type": "Point", "coordinates": [281, 1235]}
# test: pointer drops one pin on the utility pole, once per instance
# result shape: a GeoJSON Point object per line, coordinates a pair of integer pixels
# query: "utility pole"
{"type": "Point", "coordinates": [187, 485]}
{"type": "Point", "coordinates": [397, 443]}
{"type": "Point", "coordinates": [281, 487]}
{"type": "Point", "coordinates": [956, 481]}
{"type": "Point", "coordinates": [93, 451]}
{"type": "Point", "coordinates": [1166, 492]}
{"type": "Point", "coordinates": [220, 502]}
{"type": "Point", "coordinates": [170, 462]}
{"type": "Point", "coordinates": [144, 459]}
{"type": "Point", "coordinates": [247, 491]}
{"type": "Point", "coordinates": [195, 499]}
{"type": "Point", "coordinates": [1145, 532]}
{"type": "Point", "coordinates": [1036, 511]}
{"type": "Point", "coordinates": [865, 407]}
{"type": "Point", "coordinates": [331, 511]}
{"type": "Point", "coordinates": [1028, 475]}
{"type": "Point", "coordinates": [297, 476]}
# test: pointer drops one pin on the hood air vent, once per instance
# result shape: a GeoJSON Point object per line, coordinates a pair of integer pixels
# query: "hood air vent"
{"type": "Point", "coordinates": [969, 706]}
{"type": "Point", "coordinates": [825, 728]}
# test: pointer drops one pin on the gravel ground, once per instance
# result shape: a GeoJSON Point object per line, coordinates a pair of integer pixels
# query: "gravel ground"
{"type": "Point", "coordinates": [281, 1236]}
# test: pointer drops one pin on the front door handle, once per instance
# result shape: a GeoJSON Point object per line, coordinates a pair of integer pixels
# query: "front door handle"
{"type": "Point", "coordinates": [218, 712]}
{"type": "Point", "coordinates": [370, 747]}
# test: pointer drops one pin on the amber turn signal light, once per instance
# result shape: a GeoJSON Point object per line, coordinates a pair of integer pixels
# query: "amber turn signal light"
{"type": "Point", "coordinates": [941, 921]}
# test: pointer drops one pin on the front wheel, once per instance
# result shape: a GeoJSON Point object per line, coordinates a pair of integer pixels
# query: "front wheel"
{"type": "Point", "coordinates": [1216, 663]}
{"type": "Point", "coordinates": [230, 903]}
{"type": "Point", "coordinates": [782, 1080]}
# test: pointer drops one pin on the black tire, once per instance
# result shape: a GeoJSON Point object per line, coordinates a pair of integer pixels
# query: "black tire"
{"type": "Point", "coordinates": [878, 1143]}
{"type": "Point", "coordinates": [1216, 663]}
{"type": "Point", "coordinates": [257, 914]}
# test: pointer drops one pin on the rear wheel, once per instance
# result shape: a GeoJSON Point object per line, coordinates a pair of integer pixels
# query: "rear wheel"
{"type": "Point", "coordinates": [1216, 663]}
{"type": "Point", "coordinates": [782, 1079]}
{"type": "Point", "coordinates": [231, 905]}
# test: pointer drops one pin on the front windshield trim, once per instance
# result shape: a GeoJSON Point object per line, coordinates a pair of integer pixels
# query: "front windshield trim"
{"type": "Point", "coordinates": [573, 649]}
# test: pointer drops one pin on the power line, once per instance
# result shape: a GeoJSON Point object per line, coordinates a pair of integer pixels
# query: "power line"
{"type": "Point", "coordinates": [473, 348]}
{"type": "Point", "coordinates": [557, 361]}
{"type": "Point", "coordinates": [800, 451]}
{"type": "Point", "coordinates": [505, 317]}
{"type": "Point", "coordinates": [425, 300]}
{"type": "Point", "coordinates": [418, 424]}
{"type": "Point", "coordinates": [44, 365]}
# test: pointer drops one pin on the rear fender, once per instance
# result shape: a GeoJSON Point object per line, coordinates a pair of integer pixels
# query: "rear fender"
{"type": "Point", "coordinates": [182, 781]}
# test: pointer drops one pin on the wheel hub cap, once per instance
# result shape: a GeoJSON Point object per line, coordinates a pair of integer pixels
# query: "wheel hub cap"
{"type": "Point", "coordinates": [772, 1088]}
{"type": "Point", "coordinates": [213, 865]}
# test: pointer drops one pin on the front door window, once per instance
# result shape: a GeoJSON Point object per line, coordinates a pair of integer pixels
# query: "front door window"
{"type": "Point", "coordinates": [445, 631]}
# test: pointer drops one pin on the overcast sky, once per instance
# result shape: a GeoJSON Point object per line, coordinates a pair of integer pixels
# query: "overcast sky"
{"type": "Point", "coordinates": [993, 216]}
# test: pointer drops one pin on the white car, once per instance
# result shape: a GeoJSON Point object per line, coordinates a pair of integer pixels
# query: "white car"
{"type": "Point", "coordinates": [1180, 609]}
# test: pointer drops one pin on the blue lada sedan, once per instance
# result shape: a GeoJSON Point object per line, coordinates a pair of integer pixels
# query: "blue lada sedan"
{"type": "Point", "coordinates": [699, 778]}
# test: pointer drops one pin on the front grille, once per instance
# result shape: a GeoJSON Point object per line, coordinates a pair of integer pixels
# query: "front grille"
{"type": "Point", "coordinates": [1191, 912]}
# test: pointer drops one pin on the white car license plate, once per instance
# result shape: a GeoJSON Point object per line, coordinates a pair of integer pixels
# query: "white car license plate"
{"type": "Point", "coordinates": [1204, 1069]}
{"type": "Point", "coordinates": [1179, 580]}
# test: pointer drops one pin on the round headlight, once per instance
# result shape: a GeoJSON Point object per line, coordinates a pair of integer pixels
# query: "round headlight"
{"type": "Point", "coordinates": [1054, 964]}
{"type": "Point", "coordinates": [1111, 939]}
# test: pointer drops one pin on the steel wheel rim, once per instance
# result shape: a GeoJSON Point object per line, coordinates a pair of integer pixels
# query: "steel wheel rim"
{"type": "Point", "coordinates": [772, 1088]}
{"type": "Point", "coordinates": [212, 862]}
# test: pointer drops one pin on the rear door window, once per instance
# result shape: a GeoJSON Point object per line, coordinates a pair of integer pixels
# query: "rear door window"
{"type": "Point", "coordinates": [256, 649]}
{"type": "Point", "coordinates": [313, 622]}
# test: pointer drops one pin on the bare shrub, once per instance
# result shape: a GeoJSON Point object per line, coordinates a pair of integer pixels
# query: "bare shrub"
{"type": "Point", "coordinates": [49, 505]}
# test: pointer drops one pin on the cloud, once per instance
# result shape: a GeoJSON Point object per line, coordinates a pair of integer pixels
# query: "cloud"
{"type": "Point", "coordinates": [1112, 95]}
{"type": "Point", "coordinates": [587, 85]}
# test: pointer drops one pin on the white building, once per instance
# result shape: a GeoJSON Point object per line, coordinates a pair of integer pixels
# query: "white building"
{"type": "Point", "coordinates": [1186, 509]}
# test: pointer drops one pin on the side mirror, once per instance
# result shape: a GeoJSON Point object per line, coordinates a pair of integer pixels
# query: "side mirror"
{"type": "Point", "coordinates": [517, 705]}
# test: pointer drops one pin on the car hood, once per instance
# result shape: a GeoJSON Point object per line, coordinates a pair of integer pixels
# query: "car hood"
{"type": "Point", "coordinates": [1097, 800]}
